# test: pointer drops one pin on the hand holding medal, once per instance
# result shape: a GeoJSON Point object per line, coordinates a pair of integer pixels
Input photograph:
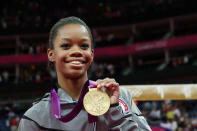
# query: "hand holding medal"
{"type": "Point", "coordinates": [97, 101]}
{"type": "Point", "coordinates": [112, 87]}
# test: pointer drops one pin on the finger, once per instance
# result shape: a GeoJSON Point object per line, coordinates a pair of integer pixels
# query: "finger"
{"type": "Point", "coordinates": [112, 84]}
{"type": "Point", "coordinates": [113, 100]}
{"type": "Point", "coordinates": [112, 88]}
{"type": "Point", "coordinates": [116, 94]}
{"type": "Point", "coordinates": [115, 97]}
{"type": "Point", "coordinates": [97, 82]}
{"type": "Point", "coordinates": [101, 83]}
{"type": "Point", "coordinates": [104, 82]}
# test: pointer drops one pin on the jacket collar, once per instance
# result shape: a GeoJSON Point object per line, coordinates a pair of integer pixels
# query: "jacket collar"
{"type": "Point", "coordinates": [64, 97]}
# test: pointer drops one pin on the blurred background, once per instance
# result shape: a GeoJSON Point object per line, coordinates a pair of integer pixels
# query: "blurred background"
{"type": "Point", "coordinates": [136, 42]}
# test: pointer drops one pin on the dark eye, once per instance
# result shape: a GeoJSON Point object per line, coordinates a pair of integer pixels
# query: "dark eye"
{"type": "Point", "coordinates": [66, 46]}
{"type": "Point", "coordinates": [84, 46]}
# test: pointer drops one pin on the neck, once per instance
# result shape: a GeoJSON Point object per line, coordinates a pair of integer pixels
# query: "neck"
{"type": "Point", "coordinates": [72, 86]}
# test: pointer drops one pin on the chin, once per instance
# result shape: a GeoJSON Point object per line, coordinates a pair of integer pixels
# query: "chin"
{"type": "Point", "coordinates": [74, 75]}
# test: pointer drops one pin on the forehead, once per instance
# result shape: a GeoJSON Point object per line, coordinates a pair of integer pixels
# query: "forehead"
{"type": "Point", "coordinates": [70, 29]}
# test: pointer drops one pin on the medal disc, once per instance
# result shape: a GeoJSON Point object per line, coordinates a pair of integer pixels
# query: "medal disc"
{"type": "Point", "coordinates": [96, 102]}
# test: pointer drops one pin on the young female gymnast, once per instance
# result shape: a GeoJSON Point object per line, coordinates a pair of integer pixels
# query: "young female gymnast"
{"type": "Point", "coordinates": [71, 53]}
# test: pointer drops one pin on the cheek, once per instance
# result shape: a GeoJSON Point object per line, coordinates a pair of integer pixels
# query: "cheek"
{"type": "Point", "coordinates": [60, 58]}
{"type": "Point", "coordinates": [89, 57]}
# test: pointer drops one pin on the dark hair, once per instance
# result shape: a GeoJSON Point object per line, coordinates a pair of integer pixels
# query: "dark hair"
{"type": "Point", "coordinates": [63, 22]}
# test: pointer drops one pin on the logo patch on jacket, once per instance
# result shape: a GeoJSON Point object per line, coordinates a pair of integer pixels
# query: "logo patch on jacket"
{"type": "Point", "coordinates": [124, 106]}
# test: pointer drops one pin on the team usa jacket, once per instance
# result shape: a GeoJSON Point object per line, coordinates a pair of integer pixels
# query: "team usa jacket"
{"type": "Point", "coordinates": [125, 116]}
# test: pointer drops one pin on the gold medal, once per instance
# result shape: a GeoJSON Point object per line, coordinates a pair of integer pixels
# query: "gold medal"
{"type": "Point", "coordinates": [96, 102]}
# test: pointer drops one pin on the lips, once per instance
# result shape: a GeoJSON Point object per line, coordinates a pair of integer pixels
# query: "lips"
{"type": "Point", "coordinates": [76, 64]}
{"type": "Point", "coordinates": [76, 61]}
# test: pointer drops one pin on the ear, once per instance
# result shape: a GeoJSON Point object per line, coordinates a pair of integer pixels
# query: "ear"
{"type": "Point", "coordinates": [51, 55]}
{"type": "Point", "coordinates": [92, 54]}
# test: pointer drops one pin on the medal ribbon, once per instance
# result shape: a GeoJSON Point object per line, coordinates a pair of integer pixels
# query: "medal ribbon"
{"type": "Point", "coordinates": [56, 109]}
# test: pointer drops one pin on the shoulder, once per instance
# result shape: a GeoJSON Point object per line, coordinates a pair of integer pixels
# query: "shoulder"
{"type": "Point", "coordinates": [40, 108]}
{"type": "Point", "coordinates": [39, 111]}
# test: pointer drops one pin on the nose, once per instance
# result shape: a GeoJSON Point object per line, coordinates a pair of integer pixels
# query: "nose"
{"type": "Point", "coordinates": [75, 52]}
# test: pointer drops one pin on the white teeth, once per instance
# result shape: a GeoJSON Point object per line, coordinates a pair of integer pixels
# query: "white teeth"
{"type": "Point", "coordinates": [75, 62]}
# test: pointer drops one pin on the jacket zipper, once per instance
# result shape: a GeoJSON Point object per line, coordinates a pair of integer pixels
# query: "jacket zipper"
{"type": "Point", "coordinates": [94, 126]}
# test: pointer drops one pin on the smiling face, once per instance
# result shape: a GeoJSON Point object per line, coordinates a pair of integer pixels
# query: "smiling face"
{"type": "Point", "coordinates": [72, 54]}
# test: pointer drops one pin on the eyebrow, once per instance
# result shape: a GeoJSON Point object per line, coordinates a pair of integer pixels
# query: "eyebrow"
{"type": "Point", "coordinates": [66, 39]}
{"type": "Point", "coordinates": [83, 39]}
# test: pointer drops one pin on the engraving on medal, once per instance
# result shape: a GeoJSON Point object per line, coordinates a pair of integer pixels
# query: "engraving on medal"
{"type": "Point", "coordinates": [96, 102]}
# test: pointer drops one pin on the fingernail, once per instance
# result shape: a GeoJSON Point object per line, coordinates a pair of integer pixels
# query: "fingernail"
{"type": "Point", "coordinates": [103, 88]}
